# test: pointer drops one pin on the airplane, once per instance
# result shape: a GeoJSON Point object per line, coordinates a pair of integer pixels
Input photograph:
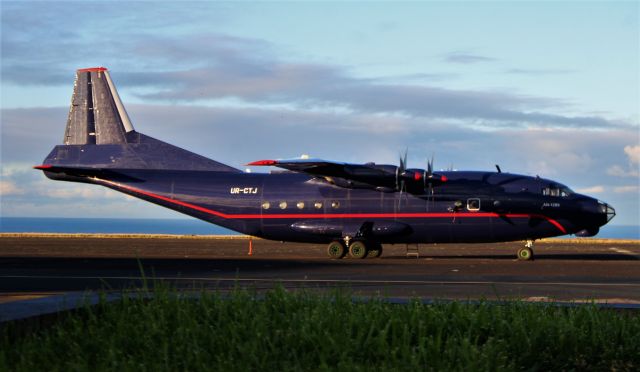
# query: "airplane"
{"type": "Point", "coordinates": [353, 208]}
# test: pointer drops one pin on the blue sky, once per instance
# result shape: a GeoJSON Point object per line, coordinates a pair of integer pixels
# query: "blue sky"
{"type": "Point", "coordinates": [540, 88]}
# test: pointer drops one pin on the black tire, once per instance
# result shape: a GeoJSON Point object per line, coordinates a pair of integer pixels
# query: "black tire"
{"type": "Point", "coordinates": [358, 250]}
{"type": "Point", "coordinates": [375, 250]}
{"type": "Point", "coordinates": [336, 250]}
{"type": "Point", "coordinates": [525, 254]}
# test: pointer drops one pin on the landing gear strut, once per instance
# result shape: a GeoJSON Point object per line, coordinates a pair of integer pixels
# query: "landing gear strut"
{"type": "Point", "coordinates": [526, 253]}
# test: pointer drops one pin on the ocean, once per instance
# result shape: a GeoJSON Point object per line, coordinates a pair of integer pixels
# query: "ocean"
{"type": "Point", "coordinates": [181, 226]}
{"type": "Point", "coordinates": [111, 226]}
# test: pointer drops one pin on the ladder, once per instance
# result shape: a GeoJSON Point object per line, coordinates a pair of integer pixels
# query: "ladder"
{"type": "Point", "coordinates": [413, 250]}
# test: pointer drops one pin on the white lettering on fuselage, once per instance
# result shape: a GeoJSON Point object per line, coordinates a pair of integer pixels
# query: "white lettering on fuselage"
{"type": "Point", "coordinates": [551, 205]}
{"type": "Point", "coordinates": [244, 190]}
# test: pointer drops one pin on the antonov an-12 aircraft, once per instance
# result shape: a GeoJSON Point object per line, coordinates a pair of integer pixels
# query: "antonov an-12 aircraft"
{"type": "Point", "coordinates": [353, 208]}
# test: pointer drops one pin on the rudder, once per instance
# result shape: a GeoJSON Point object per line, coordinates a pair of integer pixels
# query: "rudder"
{"type": "Point", "coordinates": [97, 115]}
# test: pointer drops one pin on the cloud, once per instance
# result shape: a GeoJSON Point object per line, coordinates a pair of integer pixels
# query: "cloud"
{"type": "Point", "coordinates": [79, 192]}
{"type": "Point", "coordinates": [633, 152]}
{"type": "Point", "coordinates": [618, 171]}
{"type": "Point", "coordinates": [626, 189]}
{"type": "Point", "coordinates": [198, 67]}
{"type": "Point", "coordinates": [465, 58]}
{"type": "Point", "coordinates": [538, 72]}
{"type": "Point", "coordinates": [10, 188]}
{"type": "Point", "coordinates": [39, 196]}
{"type": "Point", "coordinates": [591, 190]}
{"type": "Point", "coordinates": [316, 86]}
{"type": "Point", "coordinates": [633, 169]}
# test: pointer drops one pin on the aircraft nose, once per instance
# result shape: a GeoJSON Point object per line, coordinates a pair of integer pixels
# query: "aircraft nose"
{"type": "Point", "coordinates": [607, 210]}
{"type": "Point", "coordinates": [599, 214]}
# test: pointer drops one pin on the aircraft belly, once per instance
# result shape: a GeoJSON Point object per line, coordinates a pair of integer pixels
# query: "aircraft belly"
{"type": "Point", "coordinates": [471, 229]}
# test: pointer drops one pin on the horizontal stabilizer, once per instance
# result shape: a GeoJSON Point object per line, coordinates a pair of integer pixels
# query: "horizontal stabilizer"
{"type": "Point", "coordinates": [84, 172]}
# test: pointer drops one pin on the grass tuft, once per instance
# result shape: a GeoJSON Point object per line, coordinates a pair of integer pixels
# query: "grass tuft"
{"type": "Point", "coordinates": [285, 331]}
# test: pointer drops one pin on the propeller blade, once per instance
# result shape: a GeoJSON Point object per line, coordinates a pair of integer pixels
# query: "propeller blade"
{"type": "Point", "coordinates": [403, 160]}
{"type": "Point", "coordinates": [400, 171]}
{"type": "Point", "coordinates": [427, 176]}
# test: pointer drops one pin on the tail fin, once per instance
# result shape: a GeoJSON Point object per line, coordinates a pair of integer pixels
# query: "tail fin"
{"type": "Point", "coordinates": [99, 134]}
{"type": "Point", "coordinates": [97, 115]}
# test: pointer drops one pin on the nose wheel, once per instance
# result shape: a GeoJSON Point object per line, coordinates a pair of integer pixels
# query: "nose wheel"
{"type": "Point", "coordinates": [526, 253]}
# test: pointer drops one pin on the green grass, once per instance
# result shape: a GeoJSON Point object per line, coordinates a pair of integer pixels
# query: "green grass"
{"type": "Point", "coordinates": [294, 331]}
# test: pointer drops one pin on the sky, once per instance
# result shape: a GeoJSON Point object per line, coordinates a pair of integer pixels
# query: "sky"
{"type": "Point", "coordinates": [540, 88]}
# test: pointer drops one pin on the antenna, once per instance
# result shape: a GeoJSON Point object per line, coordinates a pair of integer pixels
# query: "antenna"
{"type": "Point", "coordinates": [498, 168]}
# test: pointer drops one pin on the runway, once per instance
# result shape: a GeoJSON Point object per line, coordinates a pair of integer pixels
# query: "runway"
{"type": "Point", "coordinates": [605, 271]}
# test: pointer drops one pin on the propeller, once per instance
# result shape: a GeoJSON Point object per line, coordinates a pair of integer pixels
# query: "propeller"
{"type": "Point", "coordinates": [412, 178]}
{"type": "Point", "coordinates": [428, 175]}
{"type": "Point", "coordinates": [400, 172]}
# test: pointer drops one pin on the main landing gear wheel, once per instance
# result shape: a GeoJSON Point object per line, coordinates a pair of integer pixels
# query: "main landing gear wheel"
{"type": "Point", "coordinates": [526, 253]}
{"type": "Point", "coordinates": [375, 250]}
{"type": "Point", "coordinates": [336, 249]}
{"type": "Point", "coordinates": [358, 249]}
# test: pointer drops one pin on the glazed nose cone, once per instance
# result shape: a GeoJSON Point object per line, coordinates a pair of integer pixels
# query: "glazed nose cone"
{"type": "Point", "coordinates": [607, 210]}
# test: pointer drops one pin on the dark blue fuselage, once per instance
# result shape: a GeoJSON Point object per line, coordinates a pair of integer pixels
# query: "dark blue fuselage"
{"type": "Point", "coordinates": [471, 207]}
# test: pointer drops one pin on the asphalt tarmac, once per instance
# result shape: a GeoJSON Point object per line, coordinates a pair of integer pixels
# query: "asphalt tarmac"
{"type": "Point", "coordinates": [603, 270]}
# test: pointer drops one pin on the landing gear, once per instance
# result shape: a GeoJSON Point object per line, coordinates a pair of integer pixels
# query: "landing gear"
{"type": "Point", "coordinates": [526, 253]}
{"type": "Point", "coordinates": [336, 249]}
{"type": "Point", "coordinates": [357, 249]}
{"type": "Point", "coordinates": [375, 250]}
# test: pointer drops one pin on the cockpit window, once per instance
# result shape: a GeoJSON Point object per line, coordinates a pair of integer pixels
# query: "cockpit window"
{"type": "Point", "coordinates": [554, 190]}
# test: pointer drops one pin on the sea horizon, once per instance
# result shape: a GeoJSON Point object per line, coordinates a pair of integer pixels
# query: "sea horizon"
{"type": "Point", "coordinates": [181, 226]}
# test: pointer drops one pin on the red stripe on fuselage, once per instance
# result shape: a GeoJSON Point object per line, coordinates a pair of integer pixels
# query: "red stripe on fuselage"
{"type": "Point", "coordinates": [335, 215]}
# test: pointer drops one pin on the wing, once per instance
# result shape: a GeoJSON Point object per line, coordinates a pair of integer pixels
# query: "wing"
{"type": "Point", "coordinates": [383, 177]}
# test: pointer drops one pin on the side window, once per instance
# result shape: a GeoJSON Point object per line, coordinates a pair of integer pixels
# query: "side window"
{"type": "Point", "coordinates": [549, 191]}
{"type": "Point", "coordinates": [473, 204]}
